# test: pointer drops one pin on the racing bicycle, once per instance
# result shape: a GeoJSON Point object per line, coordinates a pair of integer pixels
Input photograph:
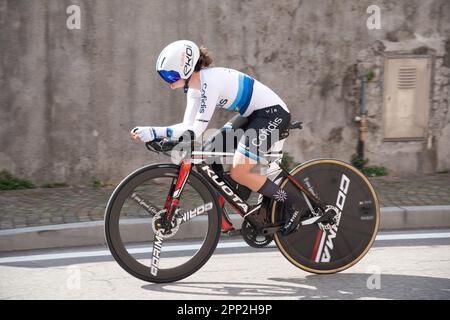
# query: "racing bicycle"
{"type": "Point", "coordinates": [154, 211]}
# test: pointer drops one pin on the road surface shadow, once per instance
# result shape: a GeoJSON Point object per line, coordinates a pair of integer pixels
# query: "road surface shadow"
{"type": "Point", "coordinates": [346, 286]}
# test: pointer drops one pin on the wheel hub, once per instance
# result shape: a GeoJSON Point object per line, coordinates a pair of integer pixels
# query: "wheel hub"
{"type": "Point", "coordinates": [335, 217]}
{"type": "Point", "coordinates": [162, 228]}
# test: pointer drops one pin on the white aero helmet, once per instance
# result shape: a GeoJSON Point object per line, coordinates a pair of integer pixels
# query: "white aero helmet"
{"type": "Point", "coordinates": [177, 60]}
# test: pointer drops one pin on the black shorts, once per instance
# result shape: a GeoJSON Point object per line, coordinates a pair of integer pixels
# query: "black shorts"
{"type": "Point", "coordinates": [253, 135]}
{"type": "Point", "coordinates": [264, 128]}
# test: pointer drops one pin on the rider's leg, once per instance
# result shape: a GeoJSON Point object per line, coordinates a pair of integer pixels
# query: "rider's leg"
{"type": "Point", "coordinates": [262, 131]}
{"type": "Point", "coordinates": [241, 173]}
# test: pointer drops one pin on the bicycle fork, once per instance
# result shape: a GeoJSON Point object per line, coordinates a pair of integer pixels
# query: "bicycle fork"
{"type": "Point", "coordinates": [172, 201]}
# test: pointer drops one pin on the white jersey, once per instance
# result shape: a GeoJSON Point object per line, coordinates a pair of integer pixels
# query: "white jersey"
{"type": "Point", "coordinates": [221, 88]}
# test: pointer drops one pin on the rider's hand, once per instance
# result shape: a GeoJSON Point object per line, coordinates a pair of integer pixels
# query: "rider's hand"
{"type": "Point", "coordinates": [145, 134]}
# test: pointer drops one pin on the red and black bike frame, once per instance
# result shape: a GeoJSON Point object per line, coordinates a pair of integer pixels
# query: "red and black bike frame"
{"type": "Point", "coordinates": [173, 198]}
{"type": "Point", "coordinates": [226, 192]}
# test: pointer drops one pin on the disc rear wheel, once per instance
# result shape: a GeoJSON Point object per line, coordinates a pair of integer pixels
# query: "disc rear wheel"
{"type": "Point", "coordinates": [340, 185]}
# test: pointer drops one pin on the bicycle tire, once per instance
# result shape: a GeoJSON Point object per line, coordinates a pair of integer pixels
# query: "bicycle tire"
{"type": "Point", "coordinates": [112, 228]}
{"type": "Point", "coordinates": [329, 251]}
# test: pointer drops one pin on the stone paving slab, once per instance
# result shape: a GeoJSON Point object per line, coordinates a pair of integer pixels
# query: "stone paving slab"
{"type": "Point", "coordinates": [50, 206]}
{"type": "Point", "coordinates": [44, 206]}
{"type": "Point", "coordinates": [420, 190]}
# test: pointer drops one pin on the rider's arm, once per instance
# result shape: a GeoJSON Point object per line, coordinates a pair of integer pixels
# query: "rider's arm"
{"type": "Point", "coordinates": [199, 111]}
{"type": "Point", "coordinates": [177, 130]}
{"type": "Point", "coordinates": [208, 99]}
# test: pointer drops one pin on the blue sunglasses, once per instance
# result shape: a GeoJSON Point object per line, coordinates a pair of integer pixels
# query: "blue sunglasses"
{"type": "Point", "coordinates": [169, 76]}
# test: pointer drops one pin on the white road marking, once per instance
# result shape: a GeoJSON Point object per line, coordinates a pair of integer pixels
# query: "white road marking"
{"type": "Point", "coordinates": [101, 253]}
{"type": "Point", "coordinates": [413, 236]}
{"type": "Point", "coordinates": [190, 247]}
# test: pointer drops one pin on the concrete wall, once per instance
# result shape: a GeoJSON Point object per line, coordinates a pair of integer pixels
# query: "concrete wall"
{"type": "Point", "coordinates": [68, 98]}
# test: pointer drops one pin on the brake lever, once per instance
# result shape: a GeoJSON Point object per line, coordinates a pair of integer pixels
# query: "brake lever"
{"type": "Point", "coordinates": [165, 145]}
{"type": "Point", "coordinates": [149, 146]}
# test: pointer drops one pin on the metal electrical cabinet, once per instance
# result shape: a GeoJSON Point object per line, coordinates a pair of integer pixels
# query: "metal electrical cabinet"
{"type": "Point", "coordinates": [406, 98]}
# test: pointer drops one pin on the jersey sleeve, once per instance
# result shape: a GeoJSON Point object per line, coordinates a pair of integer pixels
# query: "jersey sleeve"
{"type": "Point", "coordinates": [199, 111]}
{"type": "Point", "coordinates": [208, 99]}
{"type": "Point", "coordinates": [192, 106]}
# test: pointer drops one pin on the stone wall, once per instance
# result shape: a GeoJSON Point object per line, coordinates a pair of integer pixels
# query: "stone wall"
{"type": "Point", "coordinates": [68, 98]}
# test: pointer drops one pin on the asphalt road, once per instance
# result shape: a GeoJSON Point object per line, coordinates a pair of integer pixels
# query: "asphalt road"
{"type": "Point", "coordinates": [400, 265]}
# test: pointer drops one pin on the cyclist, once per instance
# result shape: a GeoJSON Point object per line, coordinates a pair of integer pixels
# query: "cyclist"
{"type": "Point", "coordinates": [183, 64]}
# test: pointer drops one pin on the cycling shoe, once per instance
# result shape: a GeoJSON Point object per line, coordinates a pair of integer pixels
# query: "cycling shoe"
{"type": "Point", "coordinates": [292, 222]}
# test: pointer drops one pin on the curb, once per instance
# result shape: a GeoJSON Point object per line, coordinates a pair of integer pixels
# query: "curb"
{"type": "Point", "coordinates": [415, 217]}
{"type": "Point", "coordinates": [92, 233]}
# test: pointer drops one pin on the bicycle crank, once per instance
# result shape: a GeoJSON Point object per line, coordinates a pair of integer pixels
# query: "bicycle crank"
{"type": "Point", "coordinates": [254, 238]}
